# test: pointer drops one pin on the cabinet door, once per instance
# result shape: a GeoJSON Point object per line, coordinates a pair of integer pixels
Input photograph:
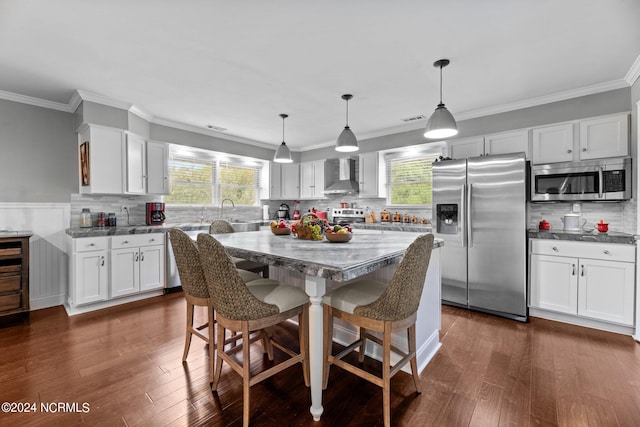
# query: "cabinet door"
{"type": "Point", "coordinates": [465, 148]}
{"type": "Point", "coordinates": [604, 137]}
{"type": "Point", "coordinates": [554, 283]}
{"type": "Point", "coordinates": [368, 175]}
{"type": "Point", "coordinates": [506, 143]}
{"type": "Point", "coordinates": [151, 267]}
{"type": "Point", "coordinates": [136, 164]}
{"type": "Point", "coordinates": [91, 277]}
{"type": "Point", "coordinates": [290, 183]}
{"type": "Point", "coordinates": [553, 144]}
{"type": "Point", "coordinates": [318, 179]}
{"type": "Point", "coordinates": [157, 168]}
{"type": "Point", "coordinates": [105, 166]}
{"type": "Point", "coordinates": [275, 178]}
{"type": "Point", "coordinates": [307, 180]}
{"type": "Point", "coordinates": [125, 272]}
{"type": "Point", "coordinates": [606, 290]}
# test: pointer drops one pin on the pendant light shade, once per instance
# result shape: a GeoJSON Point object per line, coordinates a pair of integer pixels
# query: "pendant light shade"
{"type": "Point", "coordinates": [441, 124]}
{"type": "Point", "coordinates": [347, 141]}
{"type": "Point", "coordinates": [283, 155]}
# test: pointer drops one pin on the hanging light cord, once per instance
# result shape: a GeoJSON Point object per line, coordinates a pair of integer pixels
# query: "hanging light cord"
{"type": "Point", "coordinates": [347, 117]}
{"type": "Point", "coordinates": [283, 129]}
{"type": "Point", "coordinates": [441, 85]}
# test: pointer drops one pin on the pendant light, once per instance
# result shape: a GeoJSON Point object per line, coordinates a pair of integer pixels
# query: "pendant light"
{"type": "Point", "coordinates": [441, 124]}
{"type": "Point", "coordinates": [347, 141]}
{"type": "Point", "coordinates": [283, 155]}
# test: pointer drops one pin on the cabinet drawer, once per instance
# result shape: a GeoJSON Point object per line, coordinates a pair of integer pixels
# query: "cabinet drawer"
{"type": "Point", "coordinates": [136, 240]}
{"type": "Point", "coordinates": [10, 302]}
{"type": "Point", "coordinates": [10, 251]}
{"type": "Point", "coordinates": [87, 244]}
{"type": "Point", "coordinates": [606, 251]}
{"type": "Point", "coordinates": [10, 282]}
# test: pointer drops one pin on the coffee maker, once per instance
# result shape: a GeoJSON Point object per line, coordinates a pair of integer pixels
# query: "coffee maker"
{"type": "Point", "coordinates": [283, 211]}
{"type": "Point", "coordinates": [155, 214]}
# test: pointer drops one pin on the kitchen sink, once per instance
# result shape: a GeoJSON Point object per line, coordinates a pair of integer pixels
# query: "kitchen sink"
{"type": "Point", "coordinates": [246, 226]}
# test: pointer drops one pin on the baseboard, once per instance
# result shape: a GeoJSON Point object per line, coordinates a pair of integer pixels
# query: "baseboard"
{"type": "Point", "coordinates": [580, 321]}
{"type": "Point", "coordinates": [72, 311]}
{"type": "Point", "coordinates": [46, 302]}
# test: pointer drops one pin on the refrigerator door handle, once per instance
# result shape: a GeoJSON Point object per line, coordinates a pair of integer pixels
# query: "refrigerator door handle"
{"type": "Point", "coordinates": [463, 213]}
{"type": "Point", "coordinates": [468, 222]}
{"type": "Point", "coordinates": [600, 182]}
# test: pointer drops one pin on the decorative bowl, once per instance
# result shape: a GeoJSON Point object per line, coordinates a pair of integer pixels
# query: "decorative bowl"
{"type": "Point", "coordinates": [338, 238]}
{"type": "Point", "coordinates": [281, 231]}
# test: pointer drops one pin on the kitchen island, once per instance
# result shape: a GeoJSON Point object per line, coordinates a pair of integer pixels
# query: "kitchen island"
{"type": "Point", "coordinates": [320, 266]}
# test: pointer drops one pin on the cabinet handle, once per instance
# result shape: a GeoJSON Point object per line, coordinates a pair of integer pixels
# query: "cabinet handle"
{"type": "Point", "coordinates": [569, 151]}
{"type": "Point", "coordinates": [555, 249]}
{"type": "Point", "coordinates": [126, 242]}
{"type": "Point", "coordinates": [582, 270]}
{"type": "Point", "coordinates": [91, 244]}
{"type": "Point", "coordinates": [102, 261]}
{"type": "Point", "coordinates": [136, 260]}
{"type": "Point", "coordinates": [584, 149]}
{"type": "Point", "coordinates": [606, 252]}
{"type": "Point", "coordinates": [573, 272]}
{"type": "Point", "coordinates": [141, 256]}
{"type": "Point", "coordinates": [153, 240]}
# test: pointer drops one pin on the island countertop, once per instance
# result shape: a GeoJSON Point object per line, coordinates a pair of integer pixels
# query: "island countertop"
{"type": "Point", "coordinates": [368, 251]}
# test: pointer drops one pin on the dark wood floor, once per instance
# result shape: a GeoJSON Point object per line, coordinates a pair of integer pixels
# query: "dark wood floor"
{"type": "Point", "coordinates": [125, 363]}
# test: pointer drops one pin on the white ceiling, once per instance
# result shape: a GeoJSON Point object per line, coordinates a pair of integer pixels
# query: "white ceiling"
{"type": "Point", "coordinates": [239, 64]}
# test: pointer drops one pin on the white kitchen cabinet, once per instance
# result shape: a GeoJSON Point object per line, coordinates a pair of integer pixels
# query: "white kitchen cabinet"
{"type": "Point", "coordinates": [587, 280]}
{"type": "Point", "coordinates": [285, 181]}
{"type": "Point", "coordinates": [604, 137]}
{"type": "Point", "coordinates": [103, 167]}
{"type": "Point", "coordinates": [465, 148]}
{"type": "Point", "coordinates": [507, 142]}
{"type": "Point", "coordinates": [157, 167]}
{"type": "Point", "coordinates": [136, 164]}
{"type": "Point", "coordinates": [312, 180]}
{"type": "Point", "coordinates": [551, 144]}
{"type": "Point", "coordinates": [90, 271]}
{"type": "Point", "coordinates": [137, 264]}
{"type": "Point", "coordinates": [371, 175]}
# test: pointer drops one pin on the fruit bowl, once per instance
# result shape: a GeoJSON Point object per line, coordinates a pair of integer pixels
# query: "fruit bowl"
{"type": "Point", "coordinates": [281, 231]}
{"type": "Point", "coordinates": [338, 238]}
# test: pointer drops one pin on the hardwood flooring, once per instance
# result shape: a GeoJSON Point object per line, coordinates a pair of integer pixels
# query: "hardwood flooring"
{"type": "Point", "coordinates": [125, 363]}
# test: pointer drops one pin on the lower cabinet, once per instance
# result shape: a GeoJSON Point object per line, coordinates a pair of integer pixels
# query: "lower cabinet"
{"type": "Point", "coordinates": [590, 280]}
{"type": "Point", "coordinates": [106, 268]}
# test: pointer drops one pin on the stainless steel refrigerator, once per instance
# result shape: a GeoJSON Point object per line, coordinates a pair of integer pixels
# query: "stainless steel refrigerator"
{"type": "Point", "coordinates": [480, 211]}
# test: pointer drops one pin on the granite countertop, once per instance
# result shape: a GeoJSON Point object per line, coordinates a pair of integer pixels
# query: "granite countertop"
{"type": "Point", "coordinates": [583, 236]}
{"type": "Point", "coordinates": [368, 250]}
{"type": "Point", "coordinates": [393, 226]}
{"type": "Point", "coordinates": [16, 233]}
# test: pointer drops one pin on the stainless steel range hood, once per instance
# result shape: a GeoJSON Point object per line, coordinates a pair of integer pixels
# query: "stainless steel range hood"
{"type": "Point", "coordinates": [347, 178]}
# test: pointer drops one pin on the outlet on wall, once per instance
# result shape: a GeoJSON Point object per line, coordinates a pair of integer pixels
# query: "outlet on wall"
{"type": "Point", "coordinates": [576, 207]}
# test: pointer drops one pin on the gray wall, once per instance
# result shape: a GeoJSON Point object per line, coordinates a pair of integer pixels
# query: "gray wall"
{"type": "Point", "coordinates": [599, 104]}
{"type": "Point", "coordinates": [39, 159]}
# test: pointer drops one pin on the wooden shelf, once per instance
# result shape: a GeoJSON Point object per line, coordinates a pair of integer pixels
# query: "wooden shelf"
{"type": "Point", "coordinates": [14, 277]}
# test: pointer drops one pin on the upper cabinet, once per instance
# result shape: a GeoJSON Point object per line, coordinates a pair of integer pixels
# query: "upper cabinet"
{"type": "Point", "coordinates": [553, 144]}
{"type": "Point", "coordinates": [499, 143]}
{"type": "Point", "coordinates": [312, 180]}
{"type": "Point", "coordinates": [285, 181]}
{"type": "Point", "coordinates": [604, 137]}
{"type": "Point", "coordinates": [157, 167]}
{"type": "Point", "coordinates": [136, 164]}
{"type": "Point", "coordinates": [371, 175]}
{"type": "Point", "coordinates": [101, 154]}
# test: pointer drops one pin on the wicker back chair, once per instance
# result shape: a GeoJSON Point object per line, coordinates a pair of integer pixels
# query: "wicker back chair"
{"type": "Point", "coordinates": [244, 309]}
{"type": "Point", "coordinates": [220, 226]}
{"type": "Point", "coordinates": [194, 286]}
{"type": "Point", "coordinates": [373, 305]}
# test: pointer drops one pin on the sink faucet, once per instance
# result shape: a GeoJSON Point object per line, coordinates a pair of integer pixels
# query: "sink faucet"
{"type": "Point", "coordinates": [222, 207]}
{"type": "Point", "coordinates": [202, 214]}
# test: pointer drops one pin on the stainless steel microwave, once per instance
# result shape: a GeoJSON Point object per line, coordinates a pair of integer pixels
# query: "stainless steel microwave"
{"type": "Point", "coordinates": [603, 179]}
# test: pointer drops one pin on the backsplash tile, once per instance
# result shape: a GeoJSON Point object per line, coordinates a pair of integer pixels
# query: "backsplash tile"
{"type": "Point", "coordinates": [621, 216]}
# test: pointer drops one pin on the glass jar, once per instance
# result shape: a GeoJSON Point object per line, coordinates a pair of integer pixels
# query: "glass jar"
{"type": "Point", "coordinates": [85, 218]}
{"type": "Point", "coordinates": [111, 219]}
{"type": "Point", "coordinates": [102, 221]}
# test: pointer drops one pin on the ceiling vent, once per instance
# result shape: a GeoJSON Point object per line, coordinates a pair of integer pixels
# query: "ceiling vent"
{"type": "Point", "coordinates": [216, 128]}
{"type": "Point", "coordinates": [414, 118]}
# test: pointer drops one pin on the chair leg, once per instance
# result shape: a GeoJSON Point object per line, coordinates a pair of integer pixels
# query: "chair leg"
{"type": "Point", "coordinates": [386, 374]}
{"type": "Point", "coordinates": [212, 343]}
{"type": "Point", "coordinates": [219, 349]}
{"type": "Point", "coordinates": [327, 345]}
{"type": "Point", "coordinates": [266, 341]}
{"type": "Point", "coordinates": [362, 333]}
{"type": "Point", "coordinates": [246, 365]}
{"type": "Point", "coordinates": [187, 342]}
{"type": "Point", "coordinates": [411, 335]}
{"type": "Point", "coordinates": [265, 272]}
{"type": "Point", "coordinates": [303, 336]}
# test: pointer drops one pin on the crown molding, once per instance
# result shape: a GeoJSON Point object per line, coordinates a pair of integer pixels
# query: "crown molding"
{"type": "Point", "coordinates": [38, 102]}
{"type": "Point", "coordinates": [103, 100]}
{"type": "Point", "coordinates": [209, 132]}
{"type": "Point", "coordinates": [143, 114]}
{"type": "Point", "coordinates": [634, 72]}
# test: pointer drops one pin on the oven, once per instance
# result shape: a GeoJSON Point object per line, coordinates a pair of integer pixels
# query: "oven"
{"type": "Point", "coordinates": [344, 216]}
{"type": "Point", "coordinates": [605, 179]}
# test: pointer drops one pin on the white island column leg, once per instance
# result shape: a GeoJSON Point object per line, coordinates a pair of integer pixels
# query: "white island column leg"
{"type": "Point", "coordinates": [315, 287]}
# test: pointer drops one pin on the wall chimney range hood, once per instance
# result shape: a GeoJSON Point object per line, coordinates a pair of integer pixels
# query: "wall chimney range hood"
{"type": "Point", "coordinates": [347, 178]}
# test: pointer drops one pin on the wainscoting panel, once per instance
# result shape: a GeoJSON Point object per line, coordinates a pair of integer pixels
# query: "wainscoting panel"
{"type": "Point", "coordinates": [48, 263]}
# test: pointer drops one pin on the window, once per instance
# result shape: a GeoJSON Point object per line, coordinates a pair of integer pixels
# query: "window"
{"type": "Point", "coordinates": [409, 179]}
{"type": "Point", "coordinates": [200, 177]}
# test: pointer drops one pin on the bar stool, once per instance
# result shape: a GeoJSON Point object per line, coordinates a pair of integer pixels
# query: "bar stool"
{"type": "Point", "coordinates": [220, 226]}
{"type": "Point", "coordinates": [372, 305]}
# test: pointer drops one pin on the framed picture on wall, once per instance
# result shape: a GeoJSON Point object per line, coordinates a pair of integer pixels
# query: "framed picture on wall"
{"type": "Point", "coordinates": [84, 163]}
